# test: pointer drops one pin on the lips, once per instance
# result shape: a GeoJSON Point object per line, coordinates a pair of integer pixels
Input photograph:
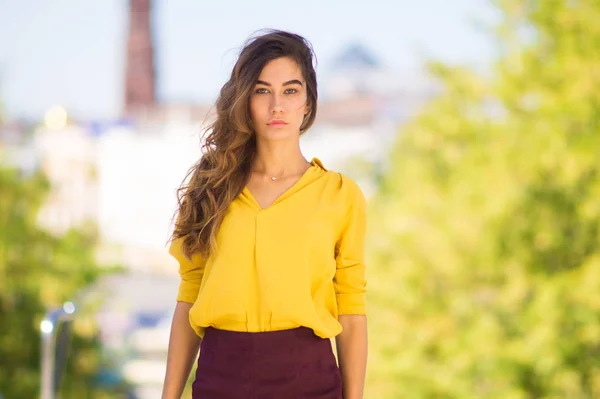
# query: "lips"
{"type": "Point", "coordinates": [277, 123]}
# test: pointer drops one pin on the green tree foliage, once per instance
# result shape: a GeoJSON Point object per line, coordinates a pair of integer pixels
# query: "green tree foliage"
{"type": "Point", "coordinates": [39, 271]}
{"type": "Point", "coordinates": [485, 238]}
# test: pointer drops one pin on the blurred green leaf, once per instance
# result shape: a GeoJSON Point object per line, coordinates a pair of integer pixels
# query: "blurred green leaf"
{"type": "Point", "coordinates": [484, 232]}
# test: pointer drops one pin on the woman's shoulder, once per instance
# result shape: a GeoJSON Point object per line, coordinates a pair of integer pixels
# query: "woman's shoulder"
{"type": "Point", "coordinates": [341, 184]}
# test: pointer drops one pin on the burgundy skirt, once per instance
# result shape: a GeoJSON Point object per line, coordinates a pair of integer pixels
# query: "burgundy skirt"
{"type": "Point", "coordinates": [290, 364]}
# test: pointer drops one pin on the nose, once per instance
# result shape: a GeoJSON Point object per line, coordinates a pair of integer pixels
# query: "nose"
{"type": "Point", "coordinates": [276, 103]}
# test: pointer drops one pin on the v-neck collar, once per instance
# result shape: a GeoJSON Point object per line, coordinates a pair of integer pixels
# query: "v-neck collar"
{"type": "Point", "coordinates": [314, 171]}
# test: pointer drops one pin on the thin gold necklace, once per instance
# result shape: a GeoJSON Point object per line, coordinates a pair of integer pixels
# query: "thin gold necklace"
{"type": "Point", "coordinates": [275, 178]}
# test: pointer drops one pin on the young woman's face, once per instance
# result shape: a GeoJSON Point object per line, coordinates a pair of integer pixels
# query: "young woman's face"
{"type": "Point", "coordinates": [278, 101]}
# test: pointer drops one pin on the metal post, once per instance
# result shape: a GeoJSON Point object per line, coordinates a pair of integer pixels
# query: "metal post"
{"type": "Point", "coordinates": [49, 327]}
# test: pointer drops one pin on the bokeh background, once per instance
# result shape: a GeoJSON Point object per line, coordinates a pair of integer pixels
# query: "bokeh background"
{"type": "Point", "coordinates": [472, 126]}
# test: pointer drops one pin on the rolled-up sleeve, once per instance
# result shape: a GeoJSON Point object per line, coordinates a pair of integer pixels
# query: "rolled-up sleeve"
{"type": "Point", "coordinates": [349, 281]}
{"type": "Point", "coordinates": [191, 272]}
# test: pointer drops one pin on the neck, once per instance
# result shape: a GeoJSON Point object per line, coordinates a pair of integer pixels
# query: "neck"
{"type": "Point", "coordinates": [280, 158]}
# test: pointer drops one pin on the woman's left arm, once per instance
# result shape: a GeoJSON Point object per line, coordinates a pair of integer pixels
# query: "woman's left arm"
{"type": "Point", "coordinates": [351, 346]}
{"type": "Point", "coordinates": [350, 289]}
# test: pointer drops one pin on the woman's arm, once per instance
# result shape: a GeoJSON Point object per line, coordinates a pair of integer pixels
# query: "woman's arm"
{"type": "Point", "coordinates": [183, 348]}
{"type": "Point", "coordinates": [351, 346]}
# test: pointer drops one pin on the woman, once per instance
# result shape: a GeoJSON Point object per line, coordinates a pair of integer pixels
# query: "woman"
{"type": "Point", "coordinates": [270, 246]}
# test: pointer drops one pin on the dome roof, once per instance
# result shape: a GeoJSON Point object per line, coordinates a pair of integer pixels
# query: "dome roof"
{"type": "Point", "coordinates": [356, 55]}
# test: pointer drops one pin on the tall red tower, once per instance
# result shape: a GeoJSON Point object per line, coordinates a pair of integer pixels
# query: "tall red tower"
{"type": "Point", "coordinates": [139, 73]}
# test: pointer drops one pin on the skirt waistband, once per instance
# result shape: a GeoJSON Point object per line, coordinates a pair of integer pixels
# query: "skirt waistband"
{"type": "Point", "coordinates": [268, 341]}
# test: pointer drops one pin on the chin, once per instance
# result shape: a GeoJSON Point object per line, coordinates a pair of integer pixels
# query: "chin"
{"type": "Point", "coordinates": [279, 135]}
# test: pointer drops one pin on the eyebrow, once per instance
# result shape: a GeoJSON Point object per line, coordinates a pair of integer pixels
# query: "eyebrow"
{"type": "Point", "coordinates": [289, 82]}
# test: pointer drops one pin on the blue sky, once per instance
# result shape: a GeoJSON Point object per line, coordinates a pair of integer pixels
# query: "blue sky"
{"type": "Point", "coordinates": [71, 52]}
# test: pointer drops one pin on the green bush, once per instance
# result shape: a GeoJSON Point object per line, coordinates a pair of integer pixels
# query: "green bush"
{"type": "Point", "coordinates": [484, 233]}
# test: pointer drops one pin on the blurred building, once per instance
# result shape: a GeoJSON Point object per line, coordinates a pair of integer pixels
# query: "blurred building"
{"type": "Point", "coordinates": [140, 79]}
{"type": "Point", "coordinates": [123, 174]}
{"type": "Point", "coordinates": [356, 72]}
{"type": "Point", "coordinates": [68, 158]}
{"type": "Point", "coordinates": [16, 147]}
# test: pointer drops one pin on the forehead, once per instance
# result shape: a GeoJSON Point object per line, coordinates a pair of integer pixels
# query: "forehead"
{"type": "Point", "coordinates": [281, 70]}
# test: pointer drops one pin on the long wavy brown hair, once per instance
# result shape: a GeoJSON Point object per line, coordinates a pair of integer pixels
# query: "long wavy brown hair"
{"type": "Point", "coordinates": [229, 146]}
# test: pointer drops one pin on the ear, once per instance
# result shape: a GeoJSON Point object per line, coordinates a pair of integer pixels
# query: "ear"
{"type": "Point", "coordinates": [307, 108]}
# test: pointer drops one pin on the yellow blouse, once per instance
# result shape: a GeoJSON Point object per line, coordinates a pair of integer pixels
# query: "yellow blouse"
{"type": "Point", "coordinates": [298, 262]}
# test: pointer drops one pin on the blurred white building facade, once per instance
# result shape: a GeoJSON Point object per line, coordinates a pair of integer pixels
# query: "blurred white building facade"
{"type": "Point", "coordinates": [124, 176]}
{"type": "Point", "coordinates": [125, 180]}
